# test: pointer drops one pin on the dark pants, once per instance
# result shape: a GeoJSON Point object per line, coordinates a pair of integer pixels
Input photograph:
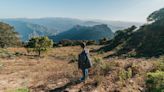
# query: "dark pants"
{"type": "Point", "coordinates": [85, 74]}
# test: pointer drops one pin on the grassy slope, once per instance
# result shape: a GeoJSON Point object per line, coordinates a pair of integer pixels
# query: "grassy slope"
{"type": "Point", "coordinates": [55, 71]}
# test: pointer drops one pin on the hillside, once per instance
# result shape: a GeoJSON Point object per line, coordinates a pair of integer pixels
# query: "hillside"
{"type": "Point", "coordinates": [27, 30]}
{"type": "Point", "coordinates": [8, 36]}
{"type": "Point", "coordinates": [85, 33]}
{"type": "Point", "coordinates": [55, 72]}
{"type": "Point", "coordinates": [148, 40]}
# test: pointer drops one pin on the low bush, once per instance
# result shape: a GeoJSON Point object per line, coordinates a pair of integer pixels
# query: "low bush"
{"type": "Point", "coordinates": [4, 53]}
{"type": "Point", "coordinates": [159, 65]}
{"type": "Point", "coordinates": [101, 67]}
{"type": "Point", "coordinates": [124, 75]}
{"type": "Point", "coordinates": [19, 90]}
{"type": "Point", "coordinates": [155, 82]}
{"type": "Point", "coordinates": [105, 68]}
{"type": "Point", "coordinates": [18, 53]}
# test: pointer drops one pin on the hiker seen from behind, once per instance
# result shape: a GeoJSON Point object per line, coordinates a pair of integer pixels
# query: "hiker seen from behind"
{"type": "Point", "coordinates": [84, 62]}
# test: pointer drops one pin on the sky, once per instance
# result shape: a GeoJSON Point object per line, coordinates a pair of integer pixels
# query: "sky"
{"type": "Point", "coordinates": [120, 10]}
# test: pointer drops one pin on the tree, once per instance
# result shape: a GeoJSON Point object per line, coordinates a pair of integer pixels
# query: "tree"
{"type": "Point", "coordinates": [8, 37]}
{"type": "Point", "coordinates": [91, 42]}
{"type": "Point", "coordinates": [157, 15]}
{"type": "Point", "coordinates": [103, 41]}
{"type": "Point", "coordinates": [146, 41]}
{"type": "Point", "coordinates": [39, 44]}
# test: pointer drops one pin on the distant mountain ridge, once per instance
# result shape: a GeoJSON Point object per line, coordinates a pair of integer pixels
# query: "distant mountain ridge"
{"type": "Point", "coordinates": [64, 24]}
{"type": "Point", "coordinates": [28, 28]}
{"type": "Point", "coordinates": [85, 33]}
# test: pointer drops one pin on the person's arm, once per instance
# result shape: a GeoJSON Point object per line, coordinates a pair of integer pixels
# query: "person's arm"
{"type": "Point", "coordinates": [89, 60]}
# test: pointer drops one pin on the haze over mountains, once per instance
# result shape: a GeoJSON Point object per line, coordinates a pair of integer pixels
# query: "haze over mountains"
{"type": "Point", "coordinates": [85, 33]}
{"type": "Point", "coordinates": [28, 28]}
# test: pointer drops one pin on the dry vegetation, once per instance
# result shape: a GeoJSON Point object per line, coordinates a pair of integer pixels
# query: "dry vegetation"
{"type": "Point", "coordinates": [57, 72]}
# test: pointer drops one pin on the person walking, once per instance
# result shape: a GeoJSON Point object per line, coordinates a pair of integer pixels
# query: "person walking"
{"type": "Point", "coordinates": [84, 62]}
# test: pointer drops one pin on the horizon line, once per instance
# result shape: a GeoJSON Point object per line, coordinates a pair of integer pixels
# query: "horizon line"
{"type": "Point", "coordinates": [81, 19]}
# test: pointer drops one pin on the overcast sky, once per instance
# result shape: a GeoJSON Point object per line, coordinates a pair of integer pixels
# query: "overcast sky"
{"type": "Point", "coordinates": [121, 10]}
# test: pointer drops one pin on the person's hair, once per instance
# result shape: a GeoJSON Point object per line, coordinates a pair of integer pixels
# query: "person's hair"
{"type": "Point", "coordinates": [83, 45]}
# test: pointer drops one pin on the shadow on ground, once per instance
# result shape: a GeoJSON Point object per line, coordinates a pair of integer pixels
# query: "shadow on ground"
{"type": "Point", "coordinates": [63, 88]}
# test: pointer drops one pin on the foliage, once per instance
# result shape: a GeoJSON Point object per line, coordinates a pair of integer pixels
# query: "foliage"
{"type": "Point", "coordinates": [104, 41]}
{"type": "Point", "coordinates": [147, 41]}
{"type": "Point", "coordinates": [97, 60]}
{"type": "Point", "coordinates": [105, 68]}
{"type": "Point", "coordinates": [6, 54]}
{"type": "Point", "coordinates": [157, 15]}
{"type": "Point", "coordinates": [120, 37]}
{"type": "Point", "coordinates": [159, 65]}
{"type": "Point", "coordinates": [155, 81]}
{"type": "Point", "coordinates": [19, 90]}
{"type": "Point", "coordinates": [91, 42]}
{"type": "Point", "coordinates": [123, 74]}
{"type": "Point", "coordinates": [8, 37]}
{"type": "Point", "coordinates": [39, 44]}
{"type": "Point", "coordinates": [101, 67]}
{"type": "Point", "coordinates": [78, 32]}
{"type": "Point", "coordinates": [66, 42]}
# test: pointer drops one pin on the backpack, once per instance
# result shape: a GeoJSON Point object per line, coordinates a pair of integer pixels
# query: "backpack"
{"type": "Point", "coordinates": [84, 60]}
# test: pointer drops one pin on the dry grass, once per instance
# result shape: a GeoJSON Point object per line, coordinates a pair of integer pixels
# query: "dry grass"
{"type": "Point", "coordinates": [31, 73]}
{"type": "Point", "coordinates": [54, 70]}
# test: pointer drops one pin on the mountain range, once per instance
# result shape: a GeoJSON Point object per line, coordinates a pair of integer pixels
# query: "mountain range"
{"type": "Point", "coordinates": [28, 28]}
{"type": "Point", "coordinates": [85, 33]}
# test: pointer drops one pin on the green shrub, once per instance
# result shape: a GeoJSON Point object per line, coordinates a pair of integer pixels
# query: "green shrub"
{"type": "Point", "coordinates": [101, 67]}
{"type": "Point", "coordinates": [18, 53]}
{"type": "Point", "coordinates": [4, 53]}
{"type": "Point", "coordinates": [103, 41]}
{"type": "Point", "coordinates": [39, 44]}
{"type": "Point", "coordinates": [8, 36]}
{"type": "Point", "coordinates": [100, 52]}
{"type": "Point", "coordinates": [97, 60]}
{"type": "Point", "coordinates": [155, 81]}
{"type": "Point", "coordinates": [19, 90]}
{"type": "Point", "coordinates": [22, 90]}
{"type": "Point", "coordinates": [105, 68]}
{"type": "Point", "coordinates": [91, 42]}
{"type": "Point", "coordinates": [136, 69]}
{"type": "Point", "coordinates": [159, 65]}
{"type": "Point", "coordinates": [129, 73]}
{"type": "Point", "coordinates": [124, 75]}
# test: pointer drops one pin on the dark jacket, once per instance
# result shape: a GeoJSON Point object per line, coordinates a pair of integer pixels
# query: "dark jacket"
{"type": "Point", "coordinates": [84, 60]}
